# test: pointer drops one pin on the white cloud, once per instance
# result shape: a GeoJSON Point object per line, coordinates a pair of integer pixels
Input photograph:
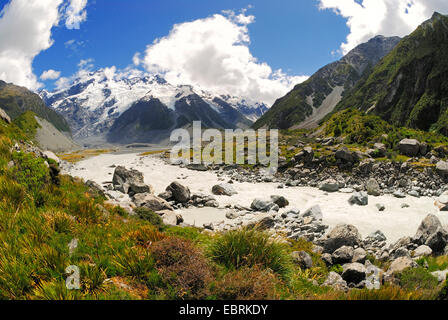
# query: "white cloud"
{"type": "Point", "coordinates": [25, 31]}
{"type": "Point", "coordinates": [50, 75]}
{"type": "Point", "coordinates": [75, 13]}
{"type": "Point", "coordinates": [369, 18]}
{"type": "Point", "coordinates": [213, 53]}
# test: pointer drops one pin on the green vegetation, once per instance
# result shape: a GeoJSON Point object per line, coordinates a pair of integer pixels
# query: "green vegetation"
{"type": "Point", "coordinates": [359, 128]}
{"type": "Point", "coordinates": [409, 86]}
{"type": "Point", "coordinates": [17, 100]}
{"type": "Point", "coordinates": [248, 248]}
{"type": "Point", "coordinates": [130, 257]}
{"type": "Point", "coordinates": [28, 124]}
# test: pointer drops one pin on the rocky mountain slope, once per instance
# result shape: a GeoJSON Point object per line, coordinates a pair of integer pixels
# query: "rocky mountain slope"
{"type": "Point", "coordinates": [100, 102]}
{"type": "Point", "coordinates": [15, 100]}
{"type": "Point", "coordinates": [310, 101]}
{"type": "Point", "coordinates": [409, 87]}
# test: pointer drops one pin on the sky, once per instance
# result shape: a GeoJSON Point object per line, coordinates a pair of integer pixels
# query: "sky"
{"type": "Point", "coordinates": [257, 49]}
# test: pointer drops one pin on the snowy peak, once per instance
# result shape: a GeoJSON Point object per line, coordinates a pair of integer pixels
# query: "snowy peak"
{"type": "Point", "coordinates": [95, 100]}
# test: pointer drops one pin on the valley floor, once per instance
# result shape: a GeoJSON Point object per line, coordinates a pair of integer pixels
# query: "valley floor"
{"type": "Point", "coordinates": [395, 222]}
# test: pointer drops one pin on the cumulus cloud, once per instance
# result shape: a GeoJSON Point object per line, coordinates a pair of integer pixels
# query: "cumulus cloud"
{"type": "Point", "coordinates": [50, 75]}
{"type": "Point", "coordinates": [25, 31]}
{"type": "Point", "coordinates": [75, 13]}
{"type": "Point", "coordinates": [369, 18]}
{"type": "Point", "coordinates": [213, 54]}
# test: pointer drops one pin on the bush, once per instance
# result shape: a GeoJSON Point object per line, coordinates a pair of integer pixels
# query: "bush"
{"type": "Point", "coordinates": [183, 267]}
{"type": "Point", "coordinates": [150, 216]}
{"type": "Point", "coordinates": [247, 284]}
{"type": "Point", "coordinates": [417, 279]}
{"type": "Point", "coordinates": [248, 248]}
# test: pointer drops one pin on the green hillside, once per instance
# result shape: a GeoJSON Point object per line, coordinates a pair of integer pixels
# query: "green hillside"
{"type": "Point", "coordinates": [16, 100]}
{"type": "Point", "coordinates": [409, 87]}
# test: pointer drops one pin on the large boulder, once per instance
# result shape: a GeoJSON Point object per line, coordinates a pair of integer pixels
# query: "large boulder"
{"type": "Point", "coordinates": [224, 189]}
{"type": "Point", "coordinates": [401, 264]}
{"type": "Point", "coordinates": [345, 155]}
{"type": "Point", "coordinates": [315, 212]}
{"type": "Point", "coordinates": [151, 202]}
{"type": "Point", "coordinates": [329, 186]}
{"type": "Point", "coordinates": [359, 198]}
{"type": "Point", "coordinates": [422, 251]}
{"type": "Point", "coordinates": [373, 188]}
{"type": "Point", "coordinates": [335, 281]}
{"type": "Point", "coordinates": [180, 193]}
{"type": "Point", "coordinates": [263, 206]}
{"type": "Point", "coordinates": [442, 168]}
{"type": "Point", "coordinates": [306, 155]}
{"type": "Point", "coordinates": [409, 147]}
{"type": "Point", "coordinates": [342, 235]}
{"type": "Point", "coordinates": [4, 116]}
{"type": "Point", "coordinates": [281, 201]}
{"type": "Point", "coordinates": [123, 179]}
{"type": "Point", "coordinates": [50, 155]}
{"type": "Point", "coordinates": [431, 233]}
{"type": "Point", "coordinates": [343, 255]}
{"type": "Point", "coordinates": [354, 272]}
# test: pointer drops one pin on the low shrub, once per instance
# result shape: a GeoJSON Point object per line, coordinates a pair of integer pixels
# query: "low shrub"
{"type": "Point", "coordinates": [150, 216]}
{"type": "Point", "coordinates": [253, 283]}
{"type": "Point", "coordinates": [417, 279]}
{"type": "Point", "coordinates": [183, 267]}
{"type": "Point", "coordinates": [248, 248]}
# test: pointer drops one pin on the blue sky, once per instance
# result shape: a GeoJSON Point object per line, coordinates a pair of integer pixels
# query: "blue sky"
{"type": "Point", "coordinates": [257, 49]}
{"type": "Point", "coordinates": [291, 35]}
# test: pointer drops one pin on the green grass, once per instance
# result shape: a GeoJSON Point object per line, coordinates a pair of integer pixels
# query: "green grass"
{"type": "Point", "coordinates": [123, 257]}
{"type": "Point", "coordinates": [248, 248]}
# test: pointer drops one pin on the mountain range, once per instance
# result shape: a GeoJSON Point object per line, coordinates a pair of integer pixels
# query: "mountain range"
{"type": "Point", "coordinates": [129, 109]}
{"type": "Point", "coordinates": [313, 99]}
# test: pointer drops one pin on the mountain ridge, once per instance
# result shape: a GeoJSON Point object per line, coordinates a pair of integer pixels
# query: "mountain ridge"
{"type": "Point", "coordinates": [409, 87]}
{"type": "Point", "coordinates": [307, 98]}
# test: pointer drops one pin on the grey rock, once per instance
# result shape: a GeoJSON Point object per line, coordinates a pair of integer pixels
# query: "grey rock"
{"type": "Point", "coordinates": [302, 259]}
{"type": "Point", "coordinates": [354, 272]}
{"type": "Point", "coordinates": [359, 198]}
{"type": "Point", "coordinates": [409, 147]}
{"type": "Point", "coordinates": [442, 168]}
{"type": "Point", "coordinates": [181, 194]}
{"type": "Point", "coordinates": [4, 116]}
{"type": "Point", "coordinates": [224, 189]}
{"type": "Point", "coordinates": [401, 264]}
{"type": "Point", "coordinates": [123, 178]}
{"type": "Point", "coordinates": [281, 201]}
{"type": "Point", "coordinates": [151, 202]}
{"type": "Point", "coordinates": [422, 251]}
{"type": "Point", "coordinates": [315, 212]}
{"type": "Point", "coordinates": [342, 255]}
{"type": "Point", "coordinates": [399, 194]}
{"type": "Point", "coordinates": [376, 236]}
{"type": "Point", "coordinates": [431, 233]}
{"type": "Point", "coordinates": [440, 275]}
{"type": "Point", "coordinates": [196, 167]}
{"type": "Point", "coordinates": [335, 281]}
{"type": "Point", "coordinates": [329, 186]}
{"type": "Point", "coordinates": [342, 235]}
{"type": "Point", "coordinates": [359, 255]}
{"type": "Point", "coordinates": [263, 206]}
{"type": "Point", "coordinates": [373, 188]}
{"type": "Point", "coordinates": [380, 207]}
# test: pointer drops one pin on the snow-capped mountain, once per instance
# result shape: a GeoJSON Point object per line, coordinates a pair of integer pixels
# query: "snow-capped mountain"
{"type": "Point", "coordinates": [96, 100]}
